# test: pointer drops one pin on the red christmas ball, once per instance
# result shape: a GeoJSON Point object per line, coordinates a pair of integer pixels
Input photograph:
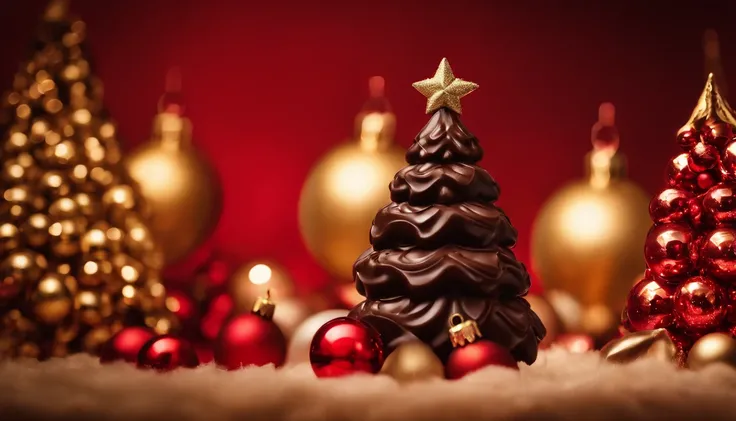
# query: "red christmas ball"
{"type": "Point", "coordinates": [667, 250]}
{"type": "Point", "coordinates": [719, 203]}
{"type": "Point", "coordinates": [728, 161]}
{"type": "Point", "coordinates": [706, 180]}
{"type": "Point", "coordinates": [688, 137]}
{"type": "Point", "coordinates": [167, 352]}
{"type": "Point", "coordinates": [679, 174]}
{"type": "Point", "coordinates": [649, 305]}
{"type": "Point", "coordinates": [702, 157]}
{"type": "Point", "coordinates": [345, 346]}
{"type": "Point", "coordinates": [250, 339]}
{"type": "Point", "coordinates": [718, 134]}
{"type": "Point", "coordinates": [471, 357]}
{"type": "Point", "coordinates": [718, 254]}
{"type": "Point", "coordinates": [125, 345]}
{"type": "Point", "coordinates": [700, 304]}
{"type": "Point", "coordinates": [671, 205]}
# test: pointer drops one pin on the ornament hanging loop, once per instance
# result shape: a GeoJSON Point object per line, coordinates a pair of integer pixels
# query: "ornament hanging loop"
{"type": "Point", "coordinates": [170, 127]}
{"type": "Point", "coordinates": [462, 331]}
{"type": "Point", "coordinates": [604, 163]}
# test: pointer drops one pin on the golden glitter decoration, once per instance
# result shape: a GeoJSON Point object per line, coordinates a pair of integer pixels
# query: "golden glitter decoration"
{"type": "Point", "coordinates": [77, 261]}
{"type": "Point", "coordinates": [444, 89]}
{"type": "Point", "coordinates": [643, 344]}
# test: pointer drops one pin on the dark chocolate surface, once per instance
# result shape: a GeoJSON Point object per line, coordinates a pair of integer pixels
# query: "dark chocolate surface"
{"type": "Point", "coordinates": [431, 183]}
{"type": "Point", "coordinates": [444, 139]}
{"type": "Point", "coordinates": [432, 226]}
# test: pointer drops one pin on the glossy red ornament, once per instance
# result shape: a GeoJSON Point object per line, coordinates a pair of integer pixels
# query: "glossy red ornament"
{"type": "Point", "coordinates": [706, 180]}
{"type": "Point", "coordinates": [679, 174]}
{"type": "Point", "coordinates": [728, 161]}
{"type": "Point", "coordinates": [474, 356]}
{"type": "Point", "coordinates": [718, 134]}
{"type": "Point", "coordinates": [670, 205]}
{"type": "Point", "coordinates": [667, 250]}
{"type": "Point", "coordinates": [167, 352]}
{"type": "Point", "coordinates": [702, 157]}
{"type": "Point", "coordinates": [250, 339]}
{"type": "Point", "coordinates": [649, 305]}
{"type": "Point", "coordinates": [719, 203]}
{"type": "Point", "coordinates": [125, 345]}
{"type": "Point", "coordinates": [718, 254]}
{"type": "Point", "coordinates": [345, 346]}
{"type": "Point", "coordinates": [731, 307]}
{"type": "Point", "coordinates": [688, 137]}
{"type": "Point", "coordinates": [700, 304]}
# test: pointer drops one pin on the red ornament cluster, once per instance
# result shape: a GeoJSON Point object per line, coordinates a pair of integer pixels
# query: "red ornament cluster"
{"type": "Point", "coordinates": [688, 287]}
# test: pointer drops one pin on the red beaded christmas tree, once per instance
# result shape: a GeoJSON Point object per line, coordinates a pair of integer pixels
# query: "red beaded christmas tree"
{"type": "Point", "coordinates": [691, 249]}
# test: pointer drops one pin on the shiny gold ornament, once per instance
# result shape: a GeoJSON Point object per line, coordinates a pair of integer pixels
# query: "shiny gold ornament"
{"type": "Point", "coordinates": [413, 361]}
{"type": "Point", "coordinates": [95, 272]}
{"type": "Point", "coordinates": [638, 345]}
{"type": "Point", "coordinates": [65, 236]}
{"type": "Point", "coordinates": [36, 230]}
{"type": "Point", "coordinates": [181, 188]}
{"type": "Point", "coordinates": [547, 315]}
{"type": "Point", "coordinates": [92, 306]}
{"type": "Point", "coordinates": [51, 299]}
{"type": "Point", "coordinates": [587, 239]}
{"type": "Point", "coordinates": [444, 89]}
{"type": "Point", "coordinates": [162, 322]}
{"type": "Point", "coordinates": [20, 270]}
{"type": "Point", "coordinates": [9, 237]}
{"type": "Point", "coordinates": [712, 348]}
{"type": "Point", "coordinates": [342, 192]}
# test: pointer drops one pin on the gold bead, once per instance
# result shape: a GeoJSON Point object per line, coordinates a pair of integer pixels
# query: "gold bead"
{"type": "Point", "coordinates": [711, 349]}
{"type": "Point", "coordinates": [36, 230]}
{"type": "Point", "coordinates": [54, 184]}
{"type": "Point", "coordinates": [95, 338]}
{"type": "Point", "coordinates": [29, 350]}
{"type": "Point", "coordinates": [67, 331]}
{"type": "Point", "coordinates": [19, 201]}
{"type": "Point", "coordinates": [92, 307]}
{"type": "Point", "coordinates": [413, 361]}
{"type": "Point", "coordinates": [162, 322]}
{"type": "Point", "coordinates": [65, 236]}
{"type": "Point", "coordinates": [64, 208]}
{"type": "Point", "coordinates": [51, 299]}
{"type": "Point", "coordinates": [9, 237]}
{"type": "Point", "coordinates": [19, 270]}
{"type": "Point", "coordinates": [95, 272]}
{"type": "Point", "coordinates": [655, 344]}
{"type": "Point", "coordinates": [119, 201]}
{"type": "Point", "coordinates": [130, 270]}
{"type": "Point", "coordinates": [88, 207]}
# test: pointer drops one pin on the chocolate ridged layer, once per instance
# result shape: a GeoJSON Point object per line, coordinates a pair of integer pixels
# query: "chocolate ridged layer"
{"type": "Point", "coordinates": [511, 324]}
{"type": "Point", "coordinates": [430, 183]}
{"type": "Point", "coordinates": [426, 274]}
{"type": "Point", "coordinates": [444, 139]}
{"type": "Point", "coordinates": [472, 225]}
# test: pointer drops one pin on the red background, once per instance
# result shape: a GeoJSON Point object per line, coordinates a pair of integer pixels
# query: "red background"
{"type": "Point", "coordinates": [271, 86]}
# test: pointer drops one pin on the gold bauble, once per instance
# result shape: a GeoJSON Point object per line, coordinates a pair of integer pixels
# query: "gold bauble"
{"type": "Point", "coordinates": [19, 270]}
{"type": "Point", "coordinates": [413, 361]}
{"type": "Point", "coordinates": [711, 349]}
{"type": "Point", "coordinates": [588, 238]}
{"type": "Point", "coordinates": [51, 299]}
{"type": "Point", "coordinates": [342, 192]}
{"type": "Point", "coordinates": [655, 344]}
{"type": "Point", "coordinates": [181, 188]}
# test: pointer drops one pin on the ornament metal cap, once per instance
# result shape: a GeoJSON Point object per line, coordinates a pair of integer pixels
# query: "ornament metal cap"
{"type": "Point", "coordinates": [712, 107]}
{"type": "Point", "coordinates": [463, 331]}
{"type": "Point", "coordinates": [264, 307]}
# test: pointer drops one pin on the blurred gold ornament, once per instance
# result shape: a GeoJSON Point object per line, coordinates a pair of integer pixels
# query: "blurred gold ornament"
{"type": "Point", "coordinates": [655, 344]}
{"type": "Point", "coordinates": [9, 237]}
{"type": "Point", "coordinates": [548, 316]}
{"type": "Point", "coordinates": [712, 348]}
{"type": "Point", "coordinates": [20, 270]}
{"type": "Point", "coordinates": [413, 361]}
{"type": "Point", "coordinates": [567, 308]}
{"type": "Point", "coordinates": [36, 230]}
{"type": "Point", "coordinates": [342, 192]}
{"type": "Point", "coordinates": [51, 299]}
{"type": "Point", "coordinates": [92, 306]}
{"type": "Point", "coordinates": [181, 188]}
{"type": "Point", "coordinates": [301, 339]}
{"type": "Point", "coordinates": [587, 238]}
{"type": "Point", "coordinates": [251, 280]}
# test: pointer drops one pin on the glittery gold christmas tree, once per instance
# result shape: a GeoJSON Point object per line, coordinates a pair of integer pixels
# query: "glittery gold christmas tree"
{"type": "Point", "coordinates": [77, 261]}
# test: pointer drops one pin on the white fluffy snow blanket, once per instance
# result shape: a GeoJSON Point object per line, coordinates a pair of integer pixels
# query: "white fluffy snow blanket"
{"type": "Point", "coordinates": [559, 386]}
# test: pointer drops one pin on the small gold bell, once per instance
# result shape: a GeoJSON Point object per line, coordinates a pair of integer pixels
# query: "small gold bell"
{"type": "Point", "coordinates": [463, 331]}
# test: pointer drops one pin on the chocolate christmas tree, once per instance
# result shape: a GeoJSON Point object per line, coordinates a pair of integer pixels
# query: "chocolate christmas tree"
{"type": "Point", "coordinates": [442, 246]}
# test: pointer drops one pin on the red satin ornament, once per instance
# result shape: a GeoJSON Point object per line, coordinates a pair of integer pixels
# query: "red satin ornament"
{"type": "Point", "coordinates": [671, 205]}
{"type": "Point", "coordinates": [728, 161]}
{"type": "Point", "coordinates": [718, 254]}
{"type": "Point", "coordinates": [474, 356]}
{"type": "Point", "coordinates": [667, 250]}
{"type": "Point", "coordinates": [688, 137]}
{"type": "Point", "coordinates": [702, 157]}
{"type": "Point", "coordinates": [700, 304]}
{"type": "Point", "coordinates": [125, 345]}
{"type": "Point", "coordinates": [718, 134]}
{"type": "Point", "coordinates": [719, 203]}
{"type": "Point", "coordinates": [345, 346]}
{"type": "Point", "coordinates": [166, 353]}
{"type": "Point", "coordinates": [649, 305]}
{"type": "Point", "coordinates": [250, 339]}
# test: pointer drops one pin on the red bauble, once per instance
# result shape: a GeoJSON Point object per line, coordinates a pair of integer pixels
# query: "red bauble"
{"type": "Point", "coordinates": [250, 339]}
{"type": "Point", "coordinates": [667, 250]}
{"type": "Point", "coordinates": [679, 174]}
{"type": "Point", "coordinates": [167, 352]}
{"type": "Point", "coordinates": [688, 137]}
{"type": "Point", "coordinates": [345, 346]}
{"type": "Point", "coordinates": [649, 305]}
{"type": "Point", "coordinates": [718, 134]}
{"type": "Point", "coordinates": [125, 345]}
{"type": "Point", "coordinates": [728, 161]}
{"type": "Point", "coordinates": [719, 203]}
{"type": "Point", "coordinates": [474, 356]}
{"type": "Point", "coordinates": [700, 304]}
{"type": "Point", "coordinates": [718, 254]}
{"type": "Point", "coordinates": [671, 205]}
{"type": "Point", "coordinates": [702, 157]}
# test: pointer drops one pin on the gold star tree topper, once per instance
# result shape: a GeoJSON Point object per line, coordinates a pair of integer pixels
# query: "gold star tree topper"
{"type": "Point", "coordinates": [444, 89]}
